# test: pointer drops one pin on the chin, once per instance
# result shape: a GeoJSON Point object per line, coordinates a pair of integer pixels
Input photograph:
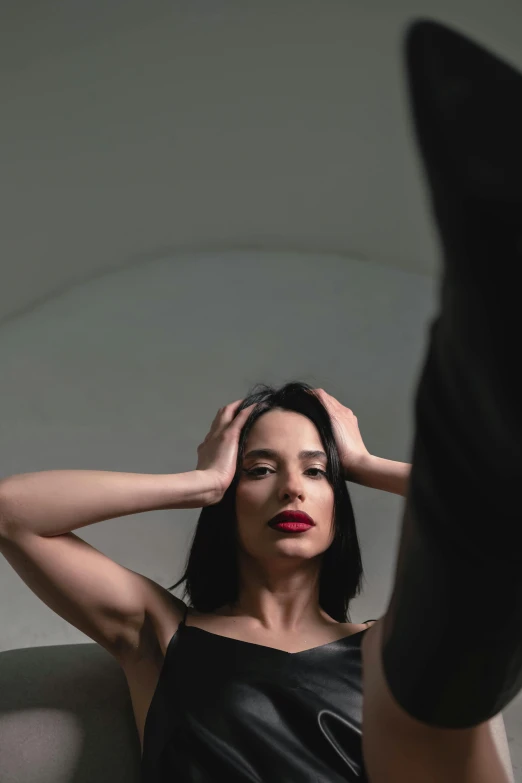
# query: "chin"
{"type": "Point", "coordinates": [298, 548]}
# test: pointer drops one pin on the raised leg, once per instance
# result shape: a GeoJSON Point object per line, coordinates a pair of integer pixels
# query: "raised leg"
{"type": "Point", "coordinates": [452, 635]}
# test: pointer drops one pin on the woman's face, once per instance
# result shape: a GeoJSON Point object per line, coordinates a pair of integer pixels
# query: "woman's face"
{"type": "Point", "coordinates": [283, 481]}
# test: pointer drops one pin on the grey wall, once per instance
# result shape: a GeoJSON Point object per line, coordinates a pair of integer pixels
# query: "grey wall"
{"type": "Point", "coordinates": [132, 129]}
{"type": "Point", "coordinates": [274, 139]}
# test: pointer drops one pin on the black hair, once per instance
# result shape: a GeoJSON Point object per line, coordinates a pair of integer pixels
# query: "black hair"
{"type": "Point", "coordinates": [211, 571]}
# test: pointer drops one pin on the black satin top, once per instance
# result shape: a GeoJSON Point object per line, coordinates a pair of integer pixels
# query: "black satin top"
{"type": "Point", "coordinates": [229, 710]}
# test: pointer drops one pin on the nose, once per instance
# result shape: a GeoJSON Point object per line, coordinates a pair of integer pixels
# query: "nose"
{"type": "Point", "coordinates": [292, 486]}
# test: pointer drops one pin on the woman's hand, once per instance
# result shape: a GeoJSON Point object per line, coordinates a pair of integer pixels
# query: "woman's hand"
{"type": "Point", "coordinates": [352, 451]}
{"type": "Point", "coordinates": [218, 453]}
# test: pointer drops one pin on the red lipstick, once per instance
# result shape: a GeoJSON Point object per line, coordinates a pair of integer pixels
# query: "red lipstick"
{"type": "Point", "coordinates": [291, 522]}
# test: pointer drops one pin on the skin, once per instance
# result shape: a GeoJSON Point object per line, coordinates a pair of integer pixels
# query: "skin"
{"type": "Point", "coordinates": [279, 572]}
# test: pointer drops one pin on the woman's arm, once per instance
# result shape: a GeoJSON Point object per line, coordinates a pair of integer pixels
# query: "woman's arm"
{"type": "Point", "coordinates": [359, 465]}
{"type": "Point", "coordinates": [385, 474]}
{"type": "Point", "coordinates": [54, 502]}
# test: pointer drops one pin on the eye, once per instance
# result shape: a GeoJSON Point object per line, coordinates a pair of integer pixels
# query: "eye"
{"type": "Point", "coordinates": [318, 470]}
{"type": "Point", "coordinates": [253, 471]}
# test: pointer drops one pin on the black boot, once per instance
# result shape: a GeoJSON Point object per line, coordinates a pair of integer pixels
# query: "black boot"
{"type": "Point", "coordinates": [452, 644]}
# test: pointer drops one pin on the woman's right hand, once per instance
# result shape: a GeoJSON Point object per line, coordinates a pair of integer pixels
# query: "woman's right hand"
{"type": "Point", "coordinates": [218, 453]}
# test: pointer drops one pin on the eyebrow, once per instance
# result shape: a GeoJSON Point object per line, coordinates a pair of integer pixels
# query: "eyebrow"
{"type": "Point", "coordinates": [271, 454]}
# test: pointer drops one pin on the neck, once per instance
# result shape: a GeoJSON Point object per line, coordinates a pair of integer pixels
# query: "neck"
{"type": "Point", "coordinates": [280, 597]}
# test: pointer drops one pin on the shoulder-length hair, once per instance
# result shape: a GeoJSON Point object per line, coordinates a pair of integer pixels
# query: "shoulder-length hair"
{"type": "Point", "coordinates": [211, 571]}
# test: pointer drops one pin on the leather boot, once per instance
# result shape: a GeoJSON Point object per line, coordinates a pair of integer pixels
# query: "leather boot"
{"type": "Point", "coordinates": [452, 634]}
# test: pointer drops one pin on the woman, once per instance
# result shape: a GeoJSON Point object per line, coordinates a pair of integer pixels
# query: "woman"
{"type": "Point", "coordinates": [262, 678]}
{"type": "Point", "coordinates": [277, 692]}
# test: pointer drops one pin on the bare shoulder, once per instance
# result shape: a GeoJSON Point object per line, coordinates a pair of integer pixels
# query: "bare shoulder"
{"type": "Point", "coordinates": [144, 654]}
{"type": "Point", "coordinates": [397, 747]}
{"type": "Point", "coordinates": [162, 614]}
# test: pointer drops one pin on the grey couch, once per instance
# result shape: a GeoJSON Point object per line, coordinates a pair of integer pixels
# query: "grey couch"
{"type": "Point", "coordinates": [66, 717]}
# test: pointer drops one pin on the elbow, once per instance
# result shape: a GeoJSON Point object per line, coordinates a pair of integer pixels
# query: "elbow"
{"type": "Point", "coordinates": [7, 516]}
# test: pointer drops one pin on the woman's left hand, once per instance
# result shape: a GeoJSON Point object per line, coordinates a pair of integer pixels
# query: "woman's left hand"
{"type": "Point", "coordinates": [352, 451]}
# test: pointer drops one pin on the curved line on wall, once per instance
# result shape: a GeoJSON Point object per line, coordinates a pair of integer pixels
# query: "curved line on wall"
{"type": "Point", "coordinates": [161, 253]}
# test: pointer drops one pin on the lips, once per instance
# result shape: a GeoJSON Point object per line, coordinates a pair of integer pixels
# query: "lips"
{"type": "Point", "coordinates": [291, 516]}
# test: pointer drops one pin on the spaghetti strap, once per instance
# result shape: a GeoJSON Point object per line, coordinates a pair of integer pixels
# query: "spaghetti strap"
{"type": "Point", "coordinates": [184, 621]}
